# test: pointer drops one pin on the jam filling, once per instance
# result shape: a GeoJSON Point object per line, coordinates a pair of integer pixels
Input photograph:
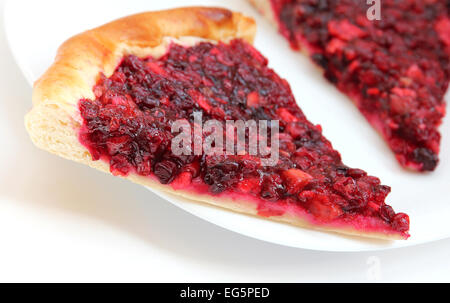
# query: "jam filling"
{"type": "Point", "coordinates": [397, 69]}
{"type": "Point", "coordinates": [129, 126]}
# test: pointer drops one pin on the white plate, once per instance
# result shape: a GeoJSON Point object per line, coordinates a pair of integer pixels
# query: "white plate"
{"type": "Point", "coordinates": [36, 28]}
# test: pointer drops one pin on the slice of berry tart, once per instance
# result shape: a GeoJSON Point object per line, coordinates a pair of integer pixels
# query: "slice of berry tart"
{"type": "Point", "coordinates": [114, 94]}
{"type": "Point", "coordinates": [396, 69]}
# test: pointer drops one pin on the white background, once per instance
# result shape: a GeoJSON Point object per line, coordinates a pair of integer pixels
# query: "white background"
{"type": "Point", "coordinates": [106, 229]}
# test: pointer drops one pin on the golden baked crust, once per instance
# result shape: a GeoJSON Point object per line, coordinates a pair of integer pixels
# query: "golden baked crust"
{"type": "Point", "coordinates": [54, 121]}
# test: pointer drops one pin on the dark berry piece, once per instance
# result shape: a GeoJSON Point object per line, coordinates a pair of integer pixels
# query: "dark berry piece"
{"type": "Point", "coordinates": [400, 222]}
{"type": "Point", "coordinates": [426, 157]}
{"type": "Point", "coordinates": [166, 171]}
{"type": "Point", "coordinates": [387, 213]}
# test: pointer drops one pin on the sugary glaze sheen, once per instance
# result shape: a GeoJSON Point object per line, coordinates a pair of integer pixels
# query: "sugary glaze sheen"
{"type": "Point", "coordinates": [129, 125]}
{"type": "Point", "coordinates": [397, 70]}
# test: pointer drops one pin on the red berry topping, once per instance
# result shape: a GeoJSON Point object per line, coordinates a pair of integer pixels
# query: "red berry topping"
{"type": "Point", "coordinates": [129, 125]}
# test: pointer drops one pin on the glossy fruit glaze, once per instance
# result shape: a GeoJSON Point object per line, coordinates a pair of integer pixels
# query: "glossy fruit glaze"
{"type": "Point", "coordinates": [397, 69]}
{"type": "Point", "coordinates": [129, 125]}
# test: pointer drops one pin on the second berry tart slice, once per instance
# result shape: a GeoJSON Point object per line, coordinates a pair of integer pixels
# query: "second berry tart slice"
{"type": "Point", "coordinates": [396, 69]}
